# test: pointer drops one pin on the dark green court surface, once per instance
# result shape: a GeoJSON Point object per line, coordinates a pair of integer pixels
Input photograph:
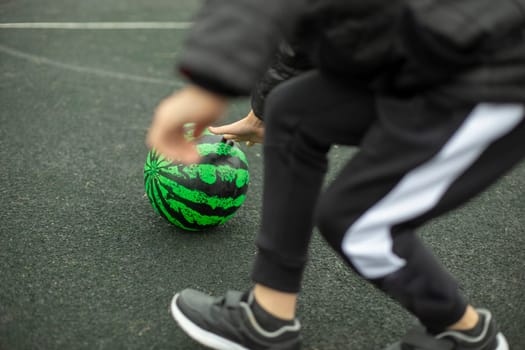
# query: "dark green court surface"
{"type": "Point", "coordinates": [85, 263]}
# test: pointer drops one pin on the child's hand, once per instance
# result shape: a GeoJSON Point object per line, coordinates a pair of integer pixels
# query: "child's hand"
{"type": "Point", "coordinates": [249, 129]}
{"type": "Point", "coordinates": [189, 105]}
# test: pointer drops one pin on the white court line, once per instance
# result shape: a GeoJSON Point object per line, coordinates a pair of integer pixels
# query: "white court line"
{"type": "Point", "coordinates": [96, 25]}
{"type": "Point", "coordinates": [88, 70]}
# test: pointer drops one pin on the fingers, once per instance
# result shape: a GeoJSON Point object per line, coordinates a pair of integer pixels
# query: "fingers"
{"type": "Point", "coordinates": [181, 153]}
{"type": "Point", "coordinates": [172, 144]}
{"type": "Point", "coordinates": [198, 129]}
{"type": "Point", "coordinates": [191, 105]}
{"type": "Point", "coordinates": [185, 153]}
{"type": "Point", "coordinates": [224, 129]}
{"type": "Point", "coordinates": [250, 129]}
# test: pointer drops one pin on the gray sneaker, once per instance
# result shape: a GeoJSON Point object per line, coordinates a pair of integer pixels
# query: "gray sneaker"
{"type": "Point", "coordinates": [489, 338]}
{"type": "Point", "coordinates": [228, 323]}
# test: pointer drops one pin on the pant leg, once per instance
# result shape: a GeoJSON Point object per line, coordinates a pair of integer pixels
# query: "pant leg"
{"type": "Point", "coordinates": [419, 160]}
{"type": "Point", "coordinates": [303, 118]}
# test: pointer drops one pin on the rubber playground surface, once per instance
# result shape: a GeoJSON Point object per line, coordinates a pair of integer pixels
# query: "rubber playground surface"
{"type": "Point", "coordinates": [85, 262]}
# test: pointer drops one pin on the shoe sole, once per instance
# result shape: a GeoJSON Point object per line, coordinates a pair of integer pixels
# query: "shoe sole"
{"type": "Point", "coordinates": [502, 344]}
{"type": "Point", "coordinates": [199, 334]}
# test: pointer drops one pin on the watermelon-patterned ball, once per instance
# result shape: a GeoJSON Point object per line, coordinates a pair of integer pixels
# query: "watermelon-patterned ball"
{"type": "Point", "coordinates": [198, 196]}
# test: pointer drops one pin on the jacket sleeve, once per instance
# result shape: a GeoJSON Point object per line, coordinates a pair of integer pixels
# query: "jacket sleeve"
{"type": "Point", "coordinates": [232, 42]}
{"type": "Point", "coordinates": [444, 38]}
{"type": "Point", "coordinates": [289, 62]}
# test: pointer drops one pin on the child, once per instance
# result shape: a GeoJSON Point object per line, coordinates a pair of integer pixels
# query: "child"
{"type": "Point", "coordinates": [434, 101]}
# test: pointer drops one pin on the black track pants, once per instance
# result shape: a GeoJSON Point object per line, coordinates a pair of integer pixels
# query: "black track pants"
{"type": "Point", "coordinates": [417, 159]}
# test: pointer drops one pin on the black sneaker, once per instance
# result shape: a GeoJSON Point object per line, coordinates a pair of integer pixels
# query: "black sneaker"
{"type": "Point", "coordinates": [488, 338]}
{"type": "Point", "coordinates": [228, 323]}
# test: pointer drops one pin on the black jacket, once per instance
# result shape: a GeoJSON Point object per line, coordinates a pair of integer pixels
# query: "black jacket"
{"type": "Point", "coordinates": [469, 49]}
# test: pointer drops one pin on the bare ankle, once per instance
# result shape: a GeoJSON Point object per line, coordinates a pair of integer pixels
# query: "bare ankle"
{"type": "Point", "coordinates": [468, 321]}
{"type": "Point", "coordinates": [279, 304]}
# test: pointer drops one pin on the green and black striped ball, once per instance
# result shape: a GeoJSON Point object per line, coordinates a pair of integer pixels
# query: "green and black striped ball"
{"type": "Point", "coordinates": [198, 196]}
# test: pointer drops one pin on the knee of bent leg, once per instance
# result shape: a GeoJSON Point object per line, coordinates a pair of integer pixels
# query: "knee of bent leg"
{"type": "Point", "coordinates": [365, 243]}
{"type": "Point", "coordinates": [370, 250]}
